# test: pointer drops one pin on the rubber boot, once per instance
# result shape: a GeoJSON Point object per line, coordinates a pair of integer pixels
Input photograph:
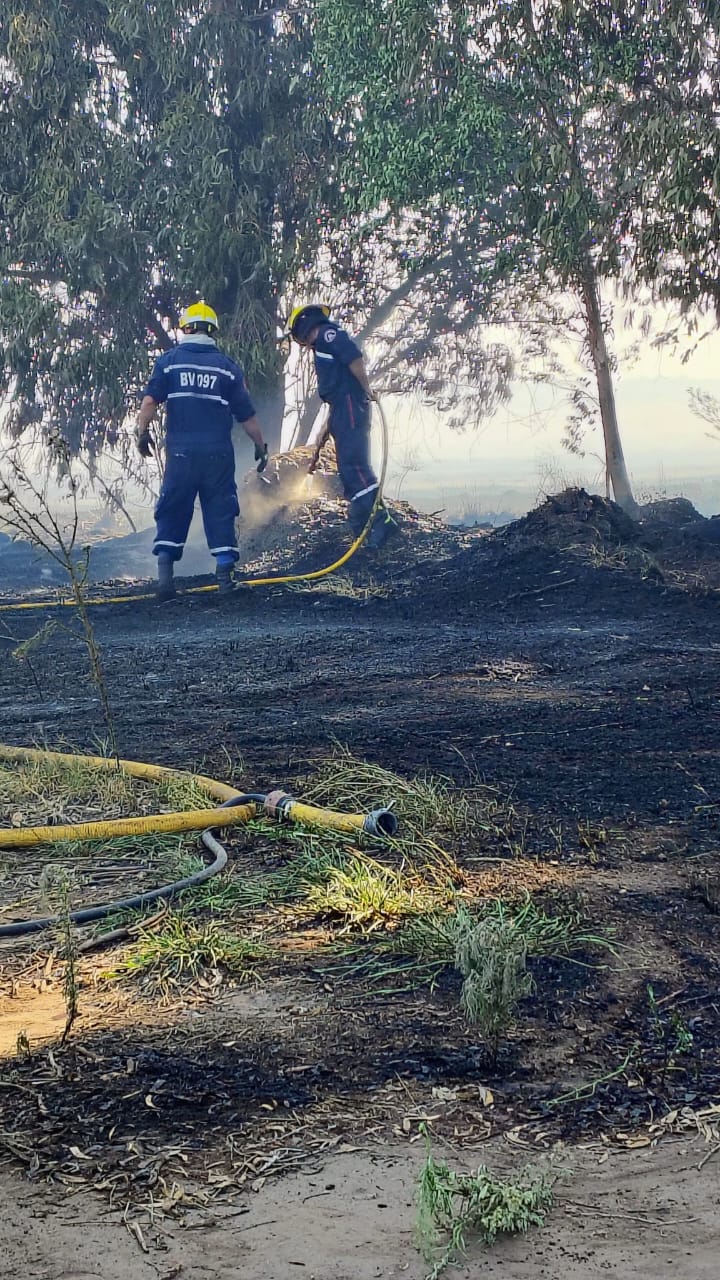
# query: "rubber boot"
{"type": "Point", "coordinates": [384, 528]}
{"type": "Point", "coordinates": [165, 583]}
{"type": "Point", "coordinates": [224, 578]}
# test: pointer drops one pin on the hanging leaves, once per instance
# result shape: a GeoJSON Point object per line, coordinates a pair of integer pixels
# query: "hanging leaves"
{"type": "Point", "coordinates": [148, 153]}
{"type": "Point", "coordinates": [558, 143]}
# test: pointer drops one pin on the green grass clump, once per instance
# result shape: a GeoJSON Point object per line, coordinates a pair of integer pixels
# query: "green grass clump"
{"type": "Point", "coordinates": [434, 938]}
{"type": "Point", "coordinates": [432, 810]}
{"type": "Point", "coordinates": [366, 894]}
{"type": "Point", "coordinates": [154, 848]}
{"type": "Point", "coordinates": [183, 952]}
{"type": "Point", "coordinates": [182, 791]}
{"type": "Point", "coordinates": [422, 946]}
{"type": "Point", "coordinates": [50, 790]}
{"type": "Point", "coordinates": [423, 804]}
{"type": "Point", "coordinates": [326, 875]}
{"type": "Point", "coordinates": [45, 789]}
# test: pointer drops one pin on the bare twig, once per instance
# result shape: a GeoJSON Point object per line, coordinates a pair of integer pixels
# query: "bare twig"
{"type": "Point", "coordinates": [539, 591]}
{"type": "Point", "coordinates": [29, 513]}
{"type": "Point", "coordinates": [709, 1156]}
{"type": "Point", "coordinates": [638, 1216]}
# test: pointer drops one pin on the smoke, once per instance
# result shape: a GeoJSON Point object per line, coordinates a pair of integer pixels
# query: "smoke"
{"type": "Point", "coordinates": [264, 497]}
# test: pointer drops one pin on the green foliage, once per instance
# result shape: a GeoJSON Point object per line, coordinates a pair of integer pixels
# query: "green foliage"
{"type": "Point", "coordinates": [181, 953]}
{"type": "Point", "coordinates": [365, 894]}
{"type": "Point", "coordinates": [150, 152]}
{"type": "Point", "coordinates": [556, 145]}
{"type": "Point", "coordinates": [492, 958]}
{"type": "Point", "coordinates": [435, 937]}
{"type": "Point", "coordinates": [459, 158]}
{"type": "Point", "coordinates": [418, 948]}
{"type": "Point", "coordinates": [428, 806]}
{"type": "Point", "coordinates": [538, 117]}
{"type": "Point", "coordinates": [453, 1207]}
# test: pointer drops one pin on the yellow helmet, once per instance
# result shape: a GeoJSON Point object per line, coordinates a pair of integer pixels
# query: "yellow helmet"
{"type": "Point", "coordinates": [199, 315]}
{"type": "Point", "coordinates": [309, 314]}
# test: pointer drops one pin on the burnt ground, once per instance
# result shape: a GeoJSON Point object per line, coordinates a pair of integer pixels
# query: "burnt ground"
{"type": "Point", "coordinates": [577, 678]}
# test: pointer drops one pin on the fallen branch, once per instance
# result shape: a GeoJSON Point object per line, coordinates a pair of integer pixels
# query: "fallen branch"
{"type": "Point", "coordinates": [638, 1216]}
{"type": "Point", "coordinates": [538, 591]}
{"type": "Point", "coordinates": [121, 934]}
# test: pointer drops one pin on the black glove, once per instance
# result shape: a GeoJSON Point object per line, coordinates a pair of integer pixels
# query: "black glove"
{"type": "Point", "coordinates": [261, 457]}
{"type": "Point", "coordinates": [145, 443]}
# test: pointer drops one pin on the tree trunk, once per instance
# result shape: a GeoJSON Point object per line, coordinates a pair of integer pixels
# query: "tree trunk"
{"type": "Point", "coordinates": [614, 457]}
{"type": "Point", "coordinates": [269, 407]}
{"type": "Point", "coordinates": [309, 426]}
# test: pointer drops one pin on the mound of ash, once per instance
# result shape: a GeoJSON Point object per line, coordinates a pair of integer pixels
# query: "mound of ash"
{"type": "Point", "coordinates": [574, 518]}
{"type": "Point", "coordinates": [580, 544]}
{"type": "Point", "coordinates": [294, 522]}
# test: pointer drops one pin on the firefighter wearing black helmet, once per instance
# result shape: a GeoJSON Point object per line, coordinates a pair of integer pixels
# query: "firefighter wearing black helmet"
{"type": "Point", "coordinates": [343, 384]}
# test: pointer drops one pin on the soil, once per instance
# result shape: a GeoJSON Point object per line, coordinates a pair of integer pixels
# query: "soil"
{"type": "Point", "coordinates": [646, 1214]}
{"type": "Point", "coordinates": [569, 668]}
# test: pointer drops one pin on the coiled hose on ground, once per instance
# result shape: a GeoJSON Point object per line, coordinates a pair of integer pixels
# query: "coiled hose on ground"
{"type": "Point", "coordinates": [232, 810]}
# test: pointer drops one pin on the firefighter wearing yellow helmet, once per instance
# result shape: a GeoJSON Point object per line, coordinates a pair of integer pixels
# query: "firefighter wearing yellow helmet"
{"type": "Point", "coordinates": [343, 384]}
{"type": "Point", "coordinates": [205, 393]}
{"type": "Point", "coordinates": [198, 318]}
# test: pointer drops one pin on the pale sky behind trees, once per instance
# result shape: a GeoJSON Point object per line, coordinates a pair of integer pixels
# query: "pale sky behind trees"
{"type": "Point", "coordinates": [666, 445]}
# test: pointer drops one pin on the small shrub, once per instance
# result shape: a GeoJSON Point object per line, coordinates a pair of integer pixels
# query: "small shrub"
{"type": "Point", "coordinates": [492, 958]}
{"type": "Point", "coordinates": [453, 1207]}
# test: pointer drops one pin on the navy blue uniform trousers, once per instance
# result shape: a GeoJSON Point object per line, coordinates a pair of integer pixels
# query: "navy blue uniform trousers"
{"type": "Point", "coordinates": [349, 426]}
{"type": "Point", "coordinates": [189, 474]}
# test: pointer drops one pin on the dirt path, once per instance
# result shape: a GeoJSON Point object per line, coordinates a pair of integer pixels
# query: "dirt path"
{"type": "Point", "coordinates": [647, 1214]}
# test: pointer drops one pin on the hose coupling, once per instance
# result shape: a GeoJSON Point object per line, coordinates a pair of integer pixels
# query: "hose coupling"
{"type": "Point", "coordinates": [277, 803]}
{"type": "Point", "coordinates": [380, 822]}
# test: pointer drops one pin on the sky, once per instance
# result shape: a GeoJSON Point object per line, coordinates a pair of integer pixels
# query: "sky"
{"type": "Point", "coordinates": [668, 449]}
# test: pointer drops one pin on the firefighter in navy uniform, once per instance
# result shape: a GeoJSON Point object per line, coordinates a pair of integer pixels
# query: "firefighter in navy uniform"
{"type": "Point", "coordinates": [205, 393]}
{"type": "Point", "coordinates": [343, 384]}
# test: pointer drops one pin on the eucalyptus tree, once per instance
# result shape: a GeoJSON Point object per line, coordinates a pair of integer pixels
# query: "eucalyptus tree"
{"type": "Point", "coordinates": [566, 144]}
{"type": "Point", "coordinates": [151, 151]}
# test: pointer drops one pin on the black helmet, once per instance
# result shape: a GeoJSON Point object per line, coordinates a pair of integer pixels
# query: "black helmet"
{"type": "Point", "coordinates": [303, 319]}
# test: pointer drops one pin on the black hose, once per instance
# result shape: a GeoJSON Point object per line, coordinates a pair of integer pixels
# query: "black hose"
{"type": "Point", "coordinates": [19, 928]}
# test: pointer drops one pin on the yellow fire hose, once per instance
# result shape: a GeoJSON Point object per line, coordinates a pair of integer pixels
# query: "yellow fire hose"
{"type": "Point", "coordinates": [247, 582]}
{"type": "Point", "coordinates": [278, 804]}
{"type": "Point", "coordinates": [232, 810]}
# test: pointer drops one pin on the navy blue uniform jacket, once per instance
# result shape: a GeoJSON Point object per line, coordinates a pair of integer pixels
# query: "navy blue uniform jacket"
{"type": "Point", "coordinates": [334, 350]}
{"type": "Point", "coordinates": [205, 392]}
